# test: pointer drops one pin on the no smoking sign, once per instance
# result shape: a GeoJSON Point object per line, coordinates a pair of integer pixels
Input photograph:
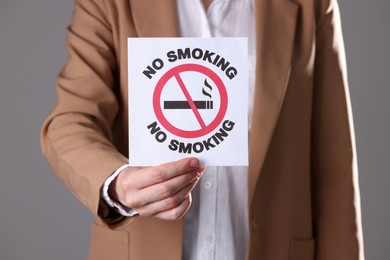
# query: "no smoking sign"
{"type": "Point", "coordinates": [198, 87]}
{"type": "Point", "coordinates": [188, 97]}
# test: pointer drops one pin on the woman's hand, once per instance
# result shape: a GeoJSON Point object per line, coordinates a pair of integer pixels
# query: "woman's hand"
{"type": "Point", "coordinates": [162, 191]}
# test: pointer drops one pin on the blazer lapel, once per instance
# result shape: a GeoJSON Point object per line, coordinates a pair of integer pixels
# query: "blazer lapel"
{"type": "Point", "coordinates": [155, 18]}
{"type": "Point", "coordinates": [275, 29]}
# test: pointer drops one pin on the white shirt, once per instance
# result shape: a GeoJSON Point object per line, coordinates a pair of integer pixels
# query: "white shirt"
{"type": "Point", "coordinates": [216, 225]}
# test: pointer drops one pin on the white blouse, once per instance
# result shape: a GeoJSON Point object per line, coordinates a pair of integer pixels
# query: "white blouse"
{"type": "Point", "coordinates": [216, 226]}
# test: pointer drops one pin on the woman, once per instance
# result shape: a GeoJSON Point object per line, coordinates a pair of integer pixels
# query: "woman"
{"type": "Point", "coordinates": [299, 194]}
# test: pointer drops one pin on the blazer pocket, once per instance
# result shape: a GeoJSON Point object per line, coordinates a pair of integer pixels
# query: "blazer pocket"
{"type": "Point", "coordinates": [302, 249]}
{"type": "Point", "coordinates": [108, 244]}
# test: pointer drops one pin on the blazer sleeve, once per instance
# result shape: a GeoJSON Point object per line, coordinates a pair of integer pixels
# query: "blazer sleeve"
{"type": "Point", "coordinates": [76, 138]}
{"type": "Point", "coordinates": [336, 201]}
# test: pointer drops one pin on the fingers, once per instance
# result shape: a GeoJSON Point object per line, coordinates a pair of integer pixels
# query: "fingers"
{"type": "Point", "coordinates": [178, 212]}
{"type": "Point", "coordinates": [157, 189]}
{"type": "Point", "coordinates": [173, 204]}
{"type": "Point", "coordinates": [167, 189]}
{"type": "Point", "coordinates": [163, 172]}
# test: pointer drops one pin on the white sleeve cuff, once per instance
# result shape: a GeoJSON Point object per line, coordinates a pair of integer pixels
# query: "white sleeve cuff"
{"type": "Point", "coordinates": [121, 209]}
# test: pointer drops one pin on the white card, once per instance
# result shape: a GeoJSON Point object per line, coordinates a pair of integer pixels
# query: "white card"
{"type": "Point", "coordinates": [188, 97]}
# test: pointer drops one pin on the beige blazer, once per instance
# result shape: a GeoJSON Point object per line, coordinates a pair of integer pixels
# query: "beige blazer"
{"type": "Point", "coordinates": [303, 193]}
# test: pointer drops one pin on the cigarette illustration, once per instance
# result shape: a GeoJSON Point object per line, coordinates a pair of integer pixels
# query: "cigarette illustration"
{"type": "Point", "coordinates": [180, 104]}
{"type": "Point", "coordinates": [199, 104]}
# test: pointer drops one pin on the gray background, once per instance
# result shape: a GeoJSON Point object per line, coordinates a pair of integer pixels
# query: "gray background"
{"type": "Point", "coordinates": [40, 219]}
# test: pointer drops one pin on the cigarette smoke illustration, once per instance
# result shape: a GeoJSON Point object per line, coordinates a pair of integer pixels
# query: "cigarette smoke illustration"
{"type": "Point", "coordinates": [204, 90]}
{"type": "Point", "coordinates": [200, 104]}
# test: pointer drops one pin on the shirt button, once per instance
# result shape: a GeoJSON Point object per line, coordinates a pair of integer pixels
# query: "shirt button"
{"type": "Point", "coordinates": [207, 185]}
{"type": "Point", "coordinates": [207, 238]}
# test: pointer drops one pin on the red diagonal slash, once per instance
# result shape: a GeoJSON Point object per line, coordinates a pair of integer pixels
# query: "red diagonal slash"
{"type": "Point", "coordinates": [190, 101]}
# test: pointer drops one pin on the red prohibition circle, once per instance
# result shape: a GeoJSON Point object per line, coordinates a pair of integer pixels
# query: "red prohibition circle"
{"type": "Point", "coordinates": [174, 72]}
